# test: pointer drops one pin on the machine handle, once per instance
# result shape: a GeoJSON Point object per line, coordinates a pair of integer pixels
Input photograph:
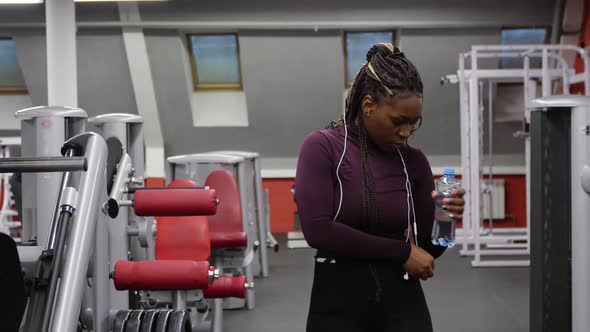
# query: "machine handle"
{"type": "Point", "coordinates": [43, 164]}
{"type": "Point", "coordinates": [133, 190]}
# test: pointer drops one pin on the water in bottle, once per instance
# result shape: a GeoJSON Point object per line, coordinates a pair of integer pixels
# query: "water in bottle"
{"type": "Point", "coordinates": [443, 230]}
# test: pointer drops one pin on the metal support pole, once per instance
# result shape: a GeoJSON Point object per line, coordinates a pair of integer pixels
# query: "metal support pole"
{"type": "Point", "coordinates": [117, 228]}
{"type": "Point", "coordinates": [69, 299]}
{"type": "Point", "coordinates": [262, 227]}
{"type": "Point", "coordinates": [217, 319]}
{"type": "Point", "coordinates": [465, 148]}
{"type": "Point", "coordinates": [179, 300]}
{"type": "Point", "coordinates": [546, 82]}
{"type": "Point", "coordinates": [491, 155]}
{"type": "Point", "coordinates": [580, 228]}
{"type": "Point", "coordinates": [62, 77]}
{"type": "Point", "coordinates": [65, 180]}
{"type": "Point", "coordinates": [474, 147]}
{"type": "Point", "coordinates": [250, 231]}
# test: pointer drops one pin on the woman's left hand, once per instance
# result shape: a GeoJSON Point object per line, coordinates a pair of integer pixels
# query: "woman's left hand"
{"type": "Point", "coordinates": [454, 204]}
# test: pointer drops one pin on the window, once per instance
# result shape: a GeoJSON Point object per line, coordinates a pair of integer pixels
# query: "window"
{"type": "Point", "coordinates": [522, 36]}
{"type": "Point", "coordinates": [11, 77]}
{"type": "Point", "coordinates": [355, 50]}
{"type": "Point", "coordinates": [215, 62]}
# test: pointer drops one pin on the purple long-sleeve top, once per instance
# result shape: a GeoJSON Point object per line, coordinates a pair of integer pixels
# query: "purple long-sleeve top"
{"type": "Point", "coordinates": [317, 194]}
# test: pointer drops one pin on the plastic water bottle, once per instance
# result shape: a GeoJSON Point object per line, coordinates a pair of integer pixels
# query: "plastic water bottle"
{"type": "Point", "coordinates": [443, 230]}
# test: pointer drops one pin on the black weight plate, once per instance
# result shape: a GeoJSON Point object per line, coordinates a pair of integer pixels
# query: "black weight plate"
{"type": "Point", "coordinates": [120, 320]}
{"type": "Point", "coordinates": [148, 322]}
{"type": "Point", "coordinates": [134, 321]}
{"type": "Point", "coordinates": [180, 321]}
{"type": "Point", "coordinates": [162, 321]}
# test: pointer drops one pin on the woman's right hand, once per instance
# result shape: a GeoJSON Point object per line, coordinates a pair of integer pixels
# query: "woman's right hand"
{"type": "Point", "coordinates": [420, 264]}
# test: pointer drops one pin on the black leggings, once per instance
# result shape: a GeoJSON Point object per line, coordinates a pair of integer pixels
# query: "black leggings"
{"type": "Point", "coordinates": [13, 300]}
{"type": "Point", "coordinates": [345, 298]}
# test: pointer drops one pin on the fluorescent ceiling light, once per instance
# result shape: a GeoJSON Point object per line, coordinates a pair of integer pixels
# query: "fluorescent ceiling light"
{"type": "Point", "coordinates": [20, 2]}
{"type": "Point", "coordinates": [119, 0]}
{"type": "Point", "coordinates": [16, 2]}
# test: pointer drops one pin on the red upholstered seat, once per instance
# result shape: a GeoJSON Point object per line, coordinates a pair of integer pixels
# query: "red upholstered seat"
{"type": "Point", "coordinates": [181, 238]}
{"type": "Point", "coordinates": [228, 240]}
{"type": "Point", "coordinates": [182, 254]}
{"type": "Point", "coordinates": [226, 225]}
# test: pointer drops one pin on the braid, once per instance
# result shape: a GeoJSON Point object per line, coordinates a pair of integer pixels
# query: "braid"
{"type": "Point", "coordinates": [368, 183]}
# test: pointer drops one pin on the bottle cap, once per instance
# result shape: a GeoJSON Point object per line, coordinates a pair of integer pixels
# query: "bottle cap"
{"type": "Point", "coordinates": [449, 171]}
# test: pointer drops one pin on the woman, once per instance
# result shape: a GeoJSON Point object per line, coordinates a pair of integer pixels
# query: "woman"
{"type": "Point", "coordinates": [360, 189]}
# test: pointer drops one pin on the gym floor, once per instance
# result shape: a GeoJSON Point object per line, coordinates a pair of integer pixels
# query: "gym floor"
{"type": "Point", "coordinates": [461, 298]}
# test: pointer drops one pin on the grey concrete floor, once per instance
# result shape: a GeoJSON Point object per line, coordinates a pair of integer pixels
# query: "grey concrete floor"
{"type": "Point", "coordinates": [460, 298]}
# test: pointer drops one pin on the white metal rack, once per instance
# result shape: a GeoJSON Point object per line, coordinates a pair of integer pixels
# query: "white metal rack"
{"type": "Point", "coordinates": [6, 212]}
{"type": "Point", "coordinates": [476, 240]}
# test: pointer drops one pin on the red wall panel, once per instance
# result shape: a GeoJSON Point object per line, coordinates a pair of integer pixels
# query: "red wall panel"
{"type": "Point", "coordinates": [282, 205]}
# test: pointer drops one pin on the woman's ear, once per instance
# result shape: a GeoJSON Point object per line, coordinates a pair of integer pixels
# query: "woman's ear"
{"type": "Point", "coordinates": [368, 105]}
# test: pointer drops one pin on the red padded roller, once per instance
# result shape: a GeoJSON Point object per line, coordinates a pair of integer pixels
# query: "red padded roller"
{"type": "Point", "coordinates": [175, 202]}
{"type": "Point", "coordinates": [228, 240]}
{"type": "Point", "coordinates": [226, 287]}
{"type": "Point", "coordinates": [228, 218]}
{"type": "Point", "coordinates": [161, 275]}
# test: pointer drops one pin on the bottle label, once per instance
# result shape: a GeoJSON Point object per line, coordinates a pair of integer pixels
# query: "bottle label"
{"type": "Point", "coordinates": [441, 215]}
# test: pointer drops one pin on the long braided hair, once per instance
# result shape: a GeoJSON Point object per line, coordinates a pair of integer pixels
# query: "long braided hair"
{"type": "Point", "coordinates": [386, 74]}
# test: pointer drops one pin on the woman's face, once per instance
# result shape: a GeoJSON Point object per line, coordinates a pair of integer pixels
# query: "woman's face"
{"type": "Point", "coordinates": [390, 122]}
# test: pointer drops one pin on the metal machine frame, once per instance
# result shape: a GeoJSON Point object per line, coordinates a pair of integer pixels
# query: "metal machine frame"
{"type": "Point", "coordinates": [560, 269]}
{"type": "Point", "coordinates": [265, 236]}
{"type": "Point", "coordinates": [185, 166]}
{"type": "Point", "coordinates": [470, 91]}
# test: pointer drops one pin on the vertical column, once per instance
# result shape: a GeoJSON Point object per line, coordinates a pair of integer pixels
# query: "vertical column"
{"type": "Point", "coordinates": [464, 117]}
{"type": "Point", "coordinates": [546, 82]}
{"type": "Point", "coordinates": [143, 88]}
{"type": "Point", "coordinates": [249, 231]}
{"type": "Point", "coordinates": [118, 238]}
{"type": "Point", "coordinates": [49, 139]}
{"type": "Point", "coordinates": [474, 157]}
{"type": "Point", "coordinates": [261, 218]}
{"type": "Point", "coordinates": [580, 154]}
{"type": "Point", "coordinates": [62, 77]}
{"type": "Point", "coordinates": [530, 94]}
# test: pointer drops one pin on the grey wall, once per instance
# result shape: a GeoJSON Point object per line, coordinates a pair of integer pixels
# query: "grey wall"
{"type": "Point", "coordinates": [31, 50]}
{"type": "Point", "coordinates": [293, 84]}
{"type": "Point", "coordinates": [104, 84]}
{"type": "Point", "coordinates": [435, 53]}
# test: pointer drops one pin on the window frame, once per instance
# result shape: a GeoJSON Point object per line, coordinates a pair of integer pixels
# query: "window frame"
{"type": "Point", "coordinates": [345, 33]}
{"type": "Point", "coordinates": [12, 90]}
{"type": "Point", "coordinates": [220, 86]}
{"type": "Point", "coordinates": [531, 27]}
{"type": "Point", "coordinates": [524, 27]}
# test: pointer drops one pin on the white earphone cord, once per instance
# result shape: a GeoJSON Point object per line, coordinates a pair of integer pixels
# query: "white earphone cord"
{"type": "Point", "coordinates": [410, 201]}
{"type": "Point", "coordinates": [338, 173]}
